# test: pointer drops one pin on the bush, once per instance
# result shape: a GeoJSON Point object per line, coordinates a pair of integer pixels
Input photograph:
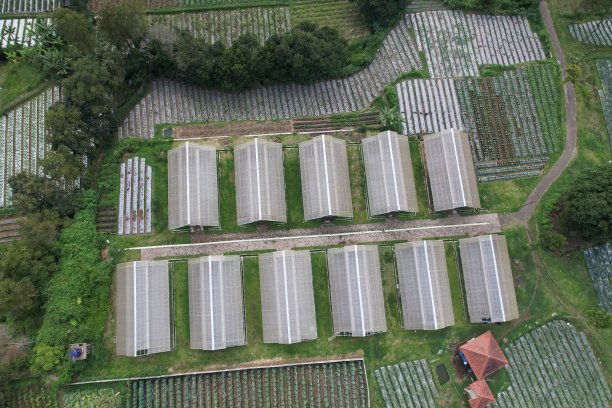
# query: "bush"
{"type": "Point", "coordinates": [597, 317]}
{"type": "Point", "coordinates": [380, 14]}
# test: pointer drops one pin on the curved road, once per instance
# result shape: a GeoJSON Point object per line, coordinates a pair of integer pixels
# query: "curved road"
{"type": "Point", "coordinates": [569, 151]}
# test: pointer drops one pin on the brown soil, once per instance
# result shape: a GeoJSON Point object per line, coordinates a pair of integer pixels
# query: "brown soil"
{"type": "Point", "coordinates": [233, 129]}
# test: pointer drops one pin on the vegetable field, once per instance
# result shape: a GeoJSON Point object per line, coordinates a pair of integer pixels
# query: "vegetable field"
{"type": "Point", "coordinates": [597, 32]}
{"type": "Point", "coordinates": [134, 216]}
{"type": "Point", "coordinates": [105, 397]}
{"type": "Point", "coordinates": [33, 396]}
{"type": "Point", "coordinates": [604, 68]}
{"type": "Point", "coordinates": [227, 25]}
{"type": "Point", "coordinates": [16, 31]}
{"type": "Point", "coordinates": [175, 102]}
{"type": "Point", "coordinates": [342, 15]}
{"type": "Point", "coordinates": [599, 261]}
{"type": "Point", "coordinates": [29, 7]}
{"type": "Point", "coordinates": [553, 366]}
{"type": "Point", "coordinates": [407, 385]}
{"type": "Point", "coordinates": [512, 120]}
{"type": "Point", "coordinates": [22, 139]}
{"type": "Point", "coordinates": [456, 44]}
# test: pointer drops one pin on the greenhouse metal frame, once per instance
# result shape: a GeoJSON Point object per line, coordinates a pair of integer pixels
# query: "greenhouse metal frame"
{"type": "Point", "coordinates": [452, 178]}
{"type": "Point", "coordinates": [260, 182]}
{"type": "Point", "coordinates": [389, 175]}
{"type": "Point", "coordinates": [216, 305]}
{"type": "Point", "coordinates": [488, 279]}
{"type": "Point", "coordinates": [193, 191]}
{"type": "Point", "coordinates": [287, 297]}
{"type": "Point", "coordinates": [143, 308]}
{"type": "Point", "coordinates": [424, 286]}
{"type": "Point", "coordinates": [326, 188]}
{"type": "Point", "coordinates": [358, 307]}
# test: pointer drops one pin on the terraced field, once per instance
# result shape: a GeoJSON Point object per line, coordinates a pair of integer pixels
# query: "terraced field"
{"type": "Point", "coordinates": [604, 68]}
{"type": "Point", "coordinates": [175, 102]}
{"type": "Point", "coordinates": [599, 262]}
{"type": "Point", "coordinates": [28, 6]}
{"type": "Point", "coordinates": [342, 15]}
{"type": "Point", "coordinates": [407, 385]}
{"type": "Point", "coordinates": [9, 230]}
{"type": "Point", "coordinates": [512, 120]}
{"type": "Point", "coordinates": [597, 32]}
{"type": "Point", "coordinates": [553, 366]}
{"type": "Point", "coordinates": [22, 139]}
{"type": "Point", "coordinates": [456, 44]}
{"type": "Point", "coordinates": [16, 31]}
{"type": "Point", "coordinates": [227, 25]}
{"type": "Point", "coordinates": [134, 215]}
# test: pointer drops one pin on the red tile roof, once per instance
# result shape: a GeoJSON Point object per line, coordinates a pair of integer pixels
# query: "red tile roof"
{"type": "Point", "coordinates": [484, 355]}
{"type": "Point", "coordinates": [480, 394]}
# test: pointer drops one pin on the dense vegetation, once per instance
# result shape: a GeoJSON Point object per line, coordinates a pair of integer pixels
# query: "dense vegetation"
{"type": "Point", "coordinates": [380, 14]}
{"type": "Point", "coordinates": [495, 6]}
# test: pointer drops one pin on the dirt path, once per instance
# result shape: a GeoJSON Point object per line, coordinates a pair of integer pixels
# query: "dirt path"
{"type": "Point", "coordinates": [569, 151]}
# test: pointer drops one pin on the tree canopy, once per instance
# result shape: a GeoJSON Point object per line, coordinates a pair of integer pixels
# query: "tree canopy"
{"type": "Point", "coordinates": [379, 14]}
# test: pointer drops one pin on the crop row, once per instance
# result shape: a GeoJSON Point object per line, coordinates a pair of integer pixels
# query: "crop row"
{"type": "Point", "coordinates": [134, 216]}
{"type": "Point", "coordinates": [17, 31]}
{"type": "Point", "coordinates": [337, 384]}
{"type": "Point", "coordinates": [218, 2]}
{"type": "Point", "coordinates": [28, 6]}
{"type": "Point", "coordinates": [96, 398]}
{"type": "Point", "coordinates": [553, 366]}
{"type": "Point", "coordinates": [22, 139]}
{"type": "Point", "coordinates": [407, 385]}
{"type": "Point", "coordinates": [227, 25]}
{"type": "Point", "coordinates": [599, 261]}
{"type": "Point", "coordinates": [597, 32]}
{"type": "Point", "coordinates": [175, 102]}
{"type": "Point", "coordinates": [33, 396]}
{"type": "Point", "coordinates": [456, 44]}
{"type": "Point", "coordinates": [604, 68]}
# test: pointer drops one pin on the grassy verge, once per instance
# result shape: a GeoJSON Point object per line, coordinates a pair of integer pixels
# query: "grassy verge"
{"type": "Point", "coordinates": [18, 82]}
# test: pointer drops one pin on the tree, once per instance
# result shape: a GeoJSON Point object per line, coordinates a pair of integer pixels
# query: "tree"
{"type": "Point", "coordinates": [65, 128]}
{"type": "Point", "coordinates": [74, 29]}
{"type": "Point", "coordinates": [33, 193]}
{"type": "Point", "coordinates": [599, 318]}
{"type": "Point", "coordinates": [379, 14]}
{"type": "Point", "coordinates": [124, 24]}
{"type": "Point", "coordinates": [586, 208]}
{"type": "Point", "coordinates": [573, 73]}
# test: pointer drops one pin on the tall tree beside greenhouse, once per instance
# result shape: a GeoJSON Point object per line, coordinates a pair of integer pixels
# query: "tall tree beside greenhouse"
{"type": "Point", "coordinates": [381, 13]}
{"type": "Point", "coordinates": [586, 208]}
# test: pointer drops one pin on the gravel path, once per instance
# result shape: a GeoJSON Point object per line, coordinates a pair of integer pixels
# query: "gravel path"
{"type": "Point", "coordinates": [336, 235]}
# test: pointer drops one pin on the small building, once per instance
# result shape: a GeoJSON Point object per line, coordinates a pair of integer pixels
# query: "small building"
{"type": "Point", "coordinates": [142, 303]}
{"type": "Point", "coordinates": [193, 193]}
{"type": "Point", "coordinates": [216, 307]}
{"type": "Point", "coordinates": [487, 274]}
{"type": "Point", "coordinates": [424, 286]}
{"type": "Point", "coordinates": [483, 355]}
{"type": "Point", "coordinates": [358, 307]}
{"type": "Point", "coordinates": [479, 394]}
{"type": "Point", "coordinates": [389, 175]}
{"type": "Point", "coordinates": [260, 182]}
{"type": "Point", "coordinates": [450, 169]}
{"type": "Point", "coordinates": [326, 188]}
{"type": "Point", "coordinates": [287, 298]}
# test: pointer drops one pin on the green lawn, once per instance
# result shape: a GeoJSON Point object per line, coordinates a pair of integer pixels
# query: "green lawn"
{"type": "Point", "coordinates": [18, 82]}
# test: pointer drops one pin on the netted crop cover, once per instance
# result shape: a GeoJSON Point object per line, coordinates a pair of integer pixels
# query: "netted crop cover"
{"type": "Point", "coordinates": [488, 279]}
{"type": "Point", "coordinates": [452, 178]}
{"type": "Point", "coordinates": [326, 189]}
{"type": "Point", "coordinates": [424, 287]}
{"type": "Point", "coordinates": [358, 307]}
{"type": "Point", "coordinates": [193, 193]}
{"type": "Point", "coordinates": [142, 308]}
{"type": "Point", "coordinates": [389, 174]}
{"type": "Point", "coordinates": [260, 182]}
{"type": "Point", "coordinates": [287, 299]}
{"type": "Point", "coordinates": [216, 311]}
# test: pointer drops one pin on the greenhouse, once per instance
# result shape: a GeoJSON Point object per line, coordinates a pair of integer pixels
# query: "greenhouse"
{"type": "Point", "coordinates": [287, 298]}
{"type": "Point", "coordinates": [452, 178]}
{"type": "Point", "coordinates": [326, 189]}
{"type": "Point", "coordinates": [488, 279]}
{"type": "Point", "coordinates": [424, 286]}
{"type": "Point", "coordinates": [193, 194]}
{"type": "Point", "coordinates": [389, 174]}
{"type": "Point", "coordinates": [358, 306]}
{"type": "Point", "coordinates": [216, 307]}
{"type": "Point", "coordinates": [142, 302]}
{"type": "Point", "coordinates": [260, 183]}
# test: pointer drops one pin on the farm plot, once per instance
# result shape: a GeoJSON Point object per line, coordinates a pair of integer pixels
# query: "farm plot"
{"type": "Point", "coordinates": [220, 2]}
{"type": "Point", "coordinates": [599, 261]}
{"type": "Point", "coordinates": [407, 385]}
{"type": "Point", "coordinates": [342, 15]}
{"type": "Point", "coordinates": [134, 215]}
{"type": "Point", "coordinates": [512, 120]}
{"type": "Point", "coordinates": [22, 139]}
{"type": "Point", "coordinates": [33, 396]}
{"type": "Point", "coordinates": [9, 229]}
{"type": "Point", "coordinates": [175, 102]}
{"type": "Point", "coordinates": [456, 44]}
{"type": "Point", "coordinates": [105, 397]}
{"type": "Point", "coordinates": [29, 7]}
{"type": "Point", "coordinates": [329, 384]}
{"type": "Point", "coordinates": [227, 25]}
{"type": "Point", "coordinates": [553, 366]}
{"type": "Point", "coordinates": [16, 31]}
{"type": "Point", "coordinates": [149, 4]}
{"type": "Point", "coordinates": [604, 68]}
{"type": "Point", "coordinates": [593, 32]}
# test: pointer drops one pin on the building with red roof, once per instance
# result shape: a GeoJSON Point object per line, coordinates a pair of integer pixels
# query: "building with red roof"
{"type": "Point", "coordinates": [480, 395]}
{"type": "Point", "coordinates": [484, 355]}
